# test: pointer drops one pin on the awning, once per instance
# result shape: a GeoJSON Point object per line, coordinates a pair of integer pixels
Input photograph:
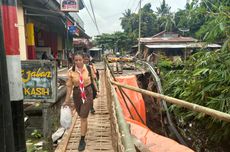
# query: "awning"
{"type": "Point", "coordinates": [53, 16]}
{"type": "Point", "coordinates": [55, 20]}
{"type": "Point", "coordinates": [81, 42]}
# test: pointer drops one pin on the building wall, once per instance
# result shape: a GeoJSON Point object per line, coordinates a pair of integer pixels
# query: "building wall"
{"type": "Point", "coordinates": [60, 47]}
{"type": "Point", "coordinates": [59, 43]}
{"type": "Point", "coordinates": [21, 30]}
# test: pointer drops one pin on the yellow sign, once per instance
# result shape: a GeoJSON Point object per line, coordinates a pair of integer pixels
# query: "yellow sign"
{"type": "Point", "coordinates": [36, 91]}
{"type": "Point", "coordinates": [39, 80]}
{"type": "Point", "coordinates": [35, 74]}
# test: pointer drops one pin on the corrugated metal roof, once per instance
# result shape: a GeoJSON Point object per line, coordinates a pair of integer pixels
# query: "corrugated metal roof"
{"type": "Point", "coordinates": [167, 39]}
{"type": "Point", "coordinates": [188, 45]}
{"type": "Point", "coordinates": [161, 46]}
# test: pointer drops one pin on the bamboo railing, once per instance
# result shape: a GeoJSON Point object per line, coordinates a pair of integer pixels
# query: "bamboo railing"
{"type": "Point", "coordinates": [194, 107]}
{"type": "Point", "coordinates": [122, 141]}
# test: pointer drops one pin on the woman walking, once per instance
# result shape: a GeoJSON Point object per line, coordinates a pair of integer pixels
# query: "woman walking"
{"type": "Point", "coordinates": [89, 64]}
{"type": "Point", "coordinates": [79, 82]}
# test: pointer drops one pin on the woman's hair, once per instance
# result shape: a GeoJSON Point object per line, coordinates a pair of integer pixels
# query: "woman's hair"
{"type": "Point", "coordinates": [77, 54]}
{"type": "Point", "coordinates": [86, 55]}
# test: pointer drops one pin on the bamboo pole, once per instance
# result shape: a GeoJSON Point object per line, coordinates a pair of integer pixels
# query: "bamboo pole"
{"type": "Point", "coordinates": [123, 126]}
{"type": "Point", "coordinates": [194, 107]}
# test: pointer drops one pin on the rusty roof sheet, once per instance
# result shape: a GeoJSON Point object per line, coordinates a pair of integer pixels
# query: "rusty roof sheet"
{"type": "Point", "coordinates": [167, 39]}
{"type": "Point", "coordinates": [184, 45]}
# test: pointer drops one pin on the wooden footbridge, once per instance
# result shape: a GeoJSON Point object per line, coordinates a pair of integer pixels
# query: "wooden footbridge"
{"type": "Point", "coordinates": [99, 135]}
{"type": "Point", "coordinates": [108, 130]}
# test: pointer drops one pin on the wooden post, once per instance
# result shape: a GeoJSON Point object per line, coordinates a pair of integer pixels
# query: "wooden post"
{"type": "Point", "coordinates": [194, 107]}
{"type": "Point", "coordinates": [6, 123]}
{"type": "Point", "coordinates": [47, 133]}
{"type": "Point", "coordinates": [10, 39]}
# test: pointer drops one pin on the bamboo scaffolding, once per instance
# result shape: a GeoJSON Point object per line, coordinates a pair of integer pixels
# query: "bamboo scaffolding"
{"type": "Point", "coordinates": [194, 107]}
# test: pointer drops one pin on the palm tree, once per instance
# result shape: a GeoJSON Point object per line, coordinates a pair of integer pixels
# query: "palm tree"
{"type": "Point", "coordinates": [126, 21]}
{"type": "Point", "coordinates": [164, 9]}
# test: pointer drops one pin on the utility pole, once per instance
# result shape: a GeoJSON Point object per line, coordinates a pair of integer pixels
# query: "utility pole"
{"type": "Point", "coordinates": [11, 44]}
{"type": "Point", "coordinates": [6, 124]}
{"type": "Point", "coordinates": [139, 36]}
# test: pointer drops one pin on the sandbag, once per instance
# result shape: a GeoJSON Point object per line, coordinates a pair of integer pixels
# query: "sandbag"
{"type": "Point", "coordinates": [58, 134]}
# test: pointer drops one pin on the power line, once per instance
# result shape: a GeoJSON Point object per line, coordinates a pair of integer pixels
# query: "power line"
{"type": "Point", "coordinates": [133, 5]}
{"type": "Point", "coordinates": [90, 15]}
{"type": "Point", "coordinates": [94, 16]}
{"type": "Point", "coordinates": [121, 12]}
{"type": "Point", "coordinates": [128, 4]}
{"type": "Point", "coordinates": [113, 15]}
{"type": "Point", "coordinates": [139, 3]}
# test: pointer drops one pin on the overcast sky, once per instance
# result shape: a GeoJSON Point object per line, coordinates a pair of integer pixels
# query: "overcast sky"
{"type": "Point", "coordinates": [109, 12]}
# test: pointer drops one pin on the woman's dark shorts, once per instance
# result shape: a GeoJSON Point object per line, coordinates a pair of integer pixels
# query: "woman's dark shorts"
{"type": "Point", "coordinates": [83, 109]}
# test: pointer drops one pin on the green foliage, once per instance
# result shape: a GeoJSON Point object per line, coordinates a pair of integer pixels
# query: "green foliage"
{"type": "Point", "coordinates": [205, 78]}
{"type": "Point", "coordinates": [118, 40]}
{"type": "Point", "coordinates": [191, 18]}
{"type": "Point", "coordinates": [127, 21]}
{"type": "Point", "coordinates": [205, 81]}
{"type": "Point", "coordinates": [206, 20]}
{"type": "Point", "coordinates": [217, 27]}
{"type": "Point", "coordinates": [166, 23]}
{"type": "Point", "coordinates": [130, 22]}
{"type": "Point", "coordinates": [164, 63]}
{"type": "Point", "coordinates": [148, 21]}
{"type": "Point", "coordinates": [164, 9]}
{"type": "Point", "coordinates": [165, 18]}
{"type": "Point", "coordinates": [36, 134]}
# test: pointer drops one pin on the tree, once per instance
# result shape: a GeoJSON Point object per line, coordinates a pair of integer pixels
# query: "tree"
{"type": "Point", "coordinates": [148, 22]}
{"type": "Point", "coordinates": [106, 40]}
{"type": "Point", "coordinates": [165, 18]}
{"type": "Point", "coordinates": [118, 41]}
{"type": "Point", "coordinates": [130, 22]}
{"type": "Point", "coordinates": [192, 18]}
{"type": "Point", "coordinates": [204, 80]}
{"type": "Point", "coordinates": [166, 23]}
{"type": "Point", "coordinates": [164, 9]}
{"type": "Point", "coordinates": [217, 26]}
{"type": "Point", "coordinates": [126, 21]}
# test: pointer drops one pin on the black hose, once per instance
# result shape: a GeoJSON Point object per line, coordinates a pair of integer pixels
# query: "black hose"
{"type": "Point", "coordinates": [159, 88]}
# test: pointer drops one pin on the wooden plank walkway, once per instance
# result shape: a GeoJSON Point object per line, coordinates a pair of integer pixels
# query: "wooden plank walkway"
{"type": "Point", "coordinates": [98, 138]}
